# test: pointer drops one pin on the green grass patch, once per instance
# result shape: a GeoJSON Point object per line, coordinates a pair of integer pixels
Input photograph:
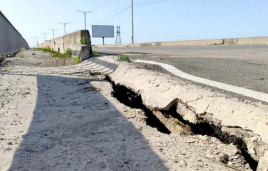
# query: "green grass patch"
{"type": "Point", "coordinates": [83, 41]}
{"type": "Point", "coordinates": [46, 50]}
{"type": "Point", "coordinates": [123, 58]}
{"type": "Point", "coordinates": [78, 60]}
{"type": "Point", "coordinates": [57, 54]}
{"type": "Point", "coordinates": [33, 54]}
{"type": "Point", "coordinates": [95, 53]}
{"type": "Point", "coordinates": [69, 52]}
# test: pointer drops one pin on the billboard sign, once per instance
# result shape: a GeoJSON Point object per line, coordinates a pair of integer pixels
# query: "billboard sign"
{"type": "Point", "coordinates": [102, 31]}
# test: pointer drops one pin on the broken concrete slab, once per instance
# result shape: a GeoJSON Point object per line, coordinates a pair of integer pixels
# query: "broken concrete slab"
{"type": "Point", "coordinates": [196, 103]}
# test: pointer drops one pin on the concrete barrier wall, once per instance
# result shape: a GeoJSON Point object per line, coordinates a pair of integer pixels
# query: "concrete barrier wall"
{"type": "Point", "coordinates": [247, 41]}
{"type": "Point", "coordinates": [231, 41]}
{"type": "Point", "coordinates": [11, 40]}
{"type": "Point", "coordinates": [71, 41]}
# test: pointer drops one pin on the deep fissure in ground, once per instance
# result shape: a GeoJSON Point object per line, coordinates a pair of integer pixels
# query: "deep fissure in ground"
{"type": "Point", "coordinates": [134, 100]}
{"type": "Point", "coordinates": [212, 130]}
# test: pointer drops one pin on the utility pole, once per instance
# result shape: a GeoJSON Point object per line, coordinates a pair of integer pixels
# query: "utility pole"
{"type": "Point", "coordinates": [44, 36]}
{"type": "Point", "coordinates": [64, 24]}
{"type": "Point", "coordinates": [85, 16]}
{"type": "Point", "coordinates": [132, 21]}
{"type": "Point", "coordinates": [36, 41]}
{"type": "Point", "coordinates": [33, 41]}
{"type": "Point", "coordinates": [52, 31]}
{"type": "Point", "coordinates": [36, 37]}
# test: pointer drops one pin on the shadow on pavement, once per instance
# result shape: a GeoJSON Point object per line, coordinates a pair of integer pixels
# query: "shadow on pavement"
{"type": "Point", "coordinates": [74, 129]}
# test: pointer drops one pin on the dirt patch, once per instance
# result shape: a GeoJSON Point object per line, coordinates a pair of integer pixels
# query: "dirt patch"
{"type": "Point", "coordinates": [37, 58]}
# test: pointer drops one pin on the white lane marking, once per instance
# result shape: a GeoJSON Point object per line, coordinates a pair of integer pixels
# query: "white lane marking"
{"type": "Point", "coordinates": [238, 90]}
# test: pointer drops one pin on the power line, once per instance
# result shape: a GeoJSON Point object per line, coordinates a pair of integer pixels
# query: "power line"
{"type": "Point", "coordinates": [149, 2]}
{"type": "Point", "coordinates": [143, 2]}
{"type": "Point", "coordinates": [102, 5]}
{"type": "Point", "coordinates": [146, 2]}
{"type": "Point", "coordinates": [115, 15]}
{"type": "Point", "coordinates": [64, 24]}
{"type": "Point", "coordinates": [44, 35]}
{"type": "Point", "coordinates": [53, 29]}
{"type": "Point", "coordinates": [36, 37]}
{"type": "Point", "coordinates": [136, 4]}
{"type": "Point", "coordinates": [85, 16]}
{"type": "Point", "coordinates": [98, 7]}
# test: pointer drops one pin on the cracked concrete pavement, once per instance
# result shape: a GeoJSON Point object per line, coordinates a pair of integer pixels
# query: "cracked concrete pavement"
{"type": "Point", "coordinates": [65, 118]}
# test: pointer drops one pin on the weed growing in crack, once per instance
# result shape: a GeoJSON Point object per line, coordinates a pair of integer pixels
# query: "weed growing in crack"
{"type": "Point", "coordinates": [95, 53]}
{"type": "Point", "coordinates": [83, 41]}
{"type": "Point", "coordinates": [69, 52]}
{"type": "Point", "coordinates": [78, 60]}
{"type": "Point", "coordinates": [58, 54]}
{"type": "Point", "coordinates": [123, 58]}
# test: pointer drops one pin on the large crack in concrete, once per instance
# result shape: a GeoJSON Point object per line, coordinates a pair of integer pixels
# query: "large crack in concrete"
{"type": "Point", "coordinates": [251, 145]}
{"type": "Point", "coordinates": [192, 150]}
{"type": "Point", "coordinates": [174, 120]}
{"type": "Point", "coordinates": [133, 100]}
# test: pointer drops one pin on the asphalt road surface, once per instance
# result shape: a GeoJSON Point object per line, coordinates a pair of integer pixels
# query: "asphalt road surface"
{"type": "Point", "coordinates": [240, 65]}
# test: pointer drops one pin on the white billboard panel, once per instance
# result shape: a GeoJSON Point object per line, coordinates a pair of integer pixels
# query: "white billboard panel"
{"type": "Point", "coordinates": [102, 31]}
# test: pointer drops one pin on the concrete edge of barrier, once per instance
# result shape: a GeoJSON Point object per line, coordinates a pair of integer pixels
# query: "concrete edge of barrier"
{"type": "Point", "coordinates": [225, 41]}
{"type": "Point", "coordinates": [79, 42]}
{"type": "Point", "coordinates": [11, 39]}
{"type": "Point", "coordinates": [239, 122]}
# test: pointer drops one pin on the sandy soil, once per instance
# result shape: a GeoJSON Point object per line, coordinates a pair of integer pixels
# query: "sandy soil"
{"type": "Point", "coordinates": [64, 118]}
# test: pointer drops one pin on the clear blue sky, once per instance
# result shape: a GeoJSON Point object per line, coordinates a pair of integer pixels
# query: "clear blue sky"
{"type": "Point", "coordinates": [169, 20]}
